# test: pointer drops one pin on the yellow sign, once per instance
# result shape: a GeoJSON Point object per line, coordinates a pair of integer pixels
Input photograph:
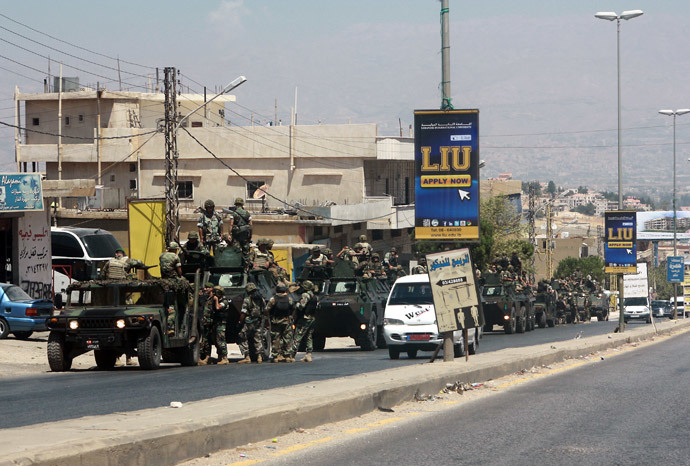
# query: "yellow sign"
{"type": "Point", "coordinates": [624, 269]}
{"type": "Point", "coordinates": [620, 244]}
{"type": "Point", "coordinates": [447, 232]}
{"type": "Point", "coordinates": [446, 181]}
{"type": "Point", "coordinates": [147, 231]}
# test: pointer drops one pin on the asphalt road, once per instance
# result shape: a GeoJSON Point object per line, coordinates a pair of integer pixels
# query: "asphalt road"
{"type": "Point", "coordinates": [631, 409]}
{"type": "Point", "coordinates": [58, 396]}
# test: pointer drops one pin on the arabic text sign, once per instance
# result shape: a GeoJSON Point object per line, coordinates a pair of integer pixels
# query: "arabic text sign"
{"type": "Point", "coordinates": [447, 174]}
{"type": "Point", "coordinates": [20, 192]}
{"type": "Point", "coordinates": [451, 276]}
{"type": "Point", "coordinates": [34, 258]}
{"type": "Point", "coordinates": [620, 249]}
{"type": "Point", "coordinates": [674, 269]}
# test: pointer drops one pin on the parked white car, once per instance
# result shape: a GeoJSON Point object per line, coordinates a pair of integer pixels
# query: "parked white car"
{"type": "Point", "coordinates": [409, 323]}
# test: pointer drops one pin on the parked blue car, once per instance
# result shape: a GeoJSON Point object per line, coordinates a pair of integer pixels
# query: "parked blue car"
{"type": "Point", "coordinates": [20, 314]}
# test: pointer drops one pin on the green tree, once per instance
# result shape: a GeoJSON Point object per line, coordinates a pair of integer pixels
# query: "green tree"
{"type": "Point", "coordinates": [551, 188]}
{"type": "Point", "coordinates": [592, 265]}
{"type": "Point", "coordinates": [657, 277]}
{"type": "Point", "coordinates": [587, 209]}
{"type": "Point", "coordinates": [582, 189]}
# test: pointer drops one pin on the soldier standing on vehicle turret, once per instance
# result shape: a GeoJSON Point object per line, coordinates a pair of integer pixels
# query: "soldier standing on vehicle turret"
{"type": "Point", "coordinates": [210, 226]}
{"type": "Point", "coordinates": [252, 320]}
{"type": "Point", "coordinates": [259, 257]}
{"type": "Point", "coordinates": [280, 309]}
{"type": "Point", "coordinates": [119, 266]}
{"type": "Point", "coordinates": [241, 228]}
{"type": "Point", "coordinates": [304, 320]}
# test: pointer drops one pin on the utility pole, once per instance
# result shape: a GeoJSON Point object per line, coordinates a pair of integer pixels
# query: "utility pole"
{"type": "Point", "coordinates": [446, 101]}
{"type": "Point", "coordinates": [171, 194]}
{"type": "Point", "coordinates": [532, 235]}
{"type": "Point", "coordinates": [549, 252]}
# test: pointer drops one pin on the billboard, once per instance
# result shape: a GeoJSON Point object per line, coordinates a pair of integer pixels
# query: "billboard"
{"type": "Point", "coordinates": [675, 266]}
{"type": "Point", "coordinates": [658, 225]}
{"type": "Point", "coordinates": [20, 192]}
{"type": "Point", "coordinates": [620, 250]}
{"type": "Point", "coordinates": [146, 219]}
{"type": "Point", "coordinates": [446, 174]}
{"type": "Point", "coordinates": [453, 288]}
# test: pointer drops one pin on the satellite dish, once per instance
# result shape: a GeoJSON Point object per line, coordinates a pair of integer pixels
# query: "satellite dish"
{"type": "Point", "coordinates": [261, 191]}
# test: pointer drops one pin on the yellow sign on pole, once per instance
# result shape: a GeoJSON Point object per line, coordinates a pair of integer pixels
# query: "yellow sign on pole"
{"type": "Point", "coordinates": [146, 218]}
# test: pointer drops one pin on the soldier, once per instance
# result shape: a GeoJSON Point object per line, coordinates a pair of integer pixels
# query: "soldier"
{"type": "Point", "coordinates": [376, 266]}
{"type": "Point", "coordinates": [193, 243]}
{"type": "Point", "coordinates": [210, 226]}
{"type": "Point", "coordinates": [219, 307]}
{"type": "Point", "coordinates": [316, 258]}
{"type": "Point", "coordinates": [392, 263]}
{"type": "Point", "coordinates": [241, 228]}
{"type": "Point", "coordinates": [421, 267]}
{"type": "Point", "coordinates": [259, 257]}
{"type": "Point", "coordinates": [304, 320]}
{"type": "Point", "coordinates": [277, 271]}
{"type": "Point", "coordinates": [280, 309]}
{"type": "Point", "coordinates": [252, 319]}
{"type": "Point", "coordinates": [516, 262]}
{"type": "Point", "coordinates": [206, 323]}
{"type": "Point", "coordinates": [119, 266]}
{"type": "Point", "coordinates": [362, 264]}
{"type": "Point", "coordinates": [367, 247]}
{"type": "Point", "coordinates": [347, 254]}
{"type": "Point", "coordinates": [171, 267]}
{"type": "Point", "coordinates": [330, 260]}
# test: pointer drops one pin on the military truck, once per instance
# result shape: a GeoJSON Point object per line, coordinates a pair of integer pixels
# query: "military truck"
{"type": "Point", "coordinates": [545, 312]}
{"type": "Point", "coordinates": [350, 307]}
{"type": "Point", "coordinates": [112, 317]}
{"type": "Point", "coordinates": [582, 306]}
{"type": "Point", "coordinates": [600, 305]}
{"type": "Point", "coordinates": [227, 269]}
{"type": "Point", "coordinates": [504, 305]}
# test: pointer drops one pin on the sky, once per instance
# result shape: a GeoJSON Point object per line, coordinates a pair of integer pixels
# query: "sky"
{"type": "Point", "coordinates": [541, 72]}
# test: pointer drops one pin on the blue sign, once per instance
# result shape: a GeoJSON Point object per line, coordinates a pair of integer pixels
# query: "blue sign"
{"type": "Point", "coordinates": [446, 174]}
{"type": "Point", "coordinates": [674, 269]}
{"type": "Point", "coordinates": [620, 248]}
{"type": "Point", "coordinates": [20, 192]}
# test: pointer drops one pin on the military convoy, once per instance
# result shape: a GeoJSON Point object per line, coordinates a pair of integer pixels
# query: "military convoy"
{"type": "Point", "coordinates": [506, 305]}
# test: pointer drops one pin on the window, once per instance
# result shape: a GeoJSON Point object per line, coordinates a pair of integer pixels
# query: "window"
{"type": "Point", "coordinates": [376, 235]}
{"type": "Point", "coordinates": [252, 186]}
{"type": "Point", "coordinates": [318, 231]}
{"type": "Point", "coordinates": [65, 245]}
{"type": "Point", "coordinates": [132, 184]}
{"type": "Point", "coordinates": [66, 121]}
{"type": "Point", "coordinates": [112, 178]}
{"type": "Point", "coordinates": [132, 167]}
{"type": "Point", "coordinates": [395, 233]}
{"type": "Point", "coordinates": [196, 124]}
{"type": "Point", "coordinates": [338, 229]}
{"type": "Point", "coordinates": [35, 121]}
{"type": "Point", "coordinates": [185, 189]}
{"type": "Point", "coordinates": [357, 226]}
{"type": "Point", "coordinates": [80, 118]}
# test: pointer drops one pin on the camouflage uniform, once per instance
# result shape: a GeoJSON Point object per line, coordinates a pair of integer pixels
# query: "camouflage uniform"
{"type": "Point", "coordinates": [241, 228]}
{"type": "Point", "coordinates": [280, 309]}
{"type": "Point", "coordinates": [316, 259]}
{"type": "Point", "coordinates": [260, 257]}
{"type": "Point", "coordinates": [169, 261]}
{"type": "Point", "coordinates": [420, 268]}
{"type": "Point", "coordinates": [117, 268]}
{"type": "Point", "coordinates": [253, 308]}
{"type": "Point", "coordinates": [376, 267]}
{"type": "Point", "coordinates": [211, 225]}
{"type": "Point", "coordinates": [206, 322]}
{"type": "Point", "coordinates": [304, 325]}
{"type": "Point", "coordinates": [219, 314]}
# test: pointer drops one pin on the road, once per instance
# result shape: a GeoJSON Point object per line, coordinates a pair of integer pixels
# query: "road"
{"type": "Point", "coordinates": [58, 396]}
{"type": "Point", "coordinates": [629, 409]}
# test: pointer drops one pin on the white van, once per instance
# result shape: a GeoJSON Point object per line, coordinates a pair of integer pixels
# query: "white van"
{"type": "Point", "coordinates": [636, 308]}
{"type": "Point", "coordinates": [680, 305]}
{"type": "Point", "coordinates": [409, 323]}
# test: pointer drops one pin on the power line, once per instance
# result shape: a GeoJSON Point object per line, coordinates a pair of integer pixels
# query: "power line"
{"type": "Point", "coordinates": [77, 137]}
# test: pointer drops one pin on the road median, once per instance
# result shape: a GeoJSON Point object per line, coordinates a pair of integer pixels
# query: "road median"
{"type": "Point", "coordinates": [168, 435]}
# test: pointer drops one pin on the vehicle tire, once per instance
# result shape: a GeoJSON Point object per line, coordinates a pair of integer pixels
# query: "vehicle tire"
{"type": "Point", "coordinates": [551, 322]}
{"type": "Point", "coordinates": [520, 324]}
{"type": "Point", "coordinates": [58, 360]}
{"type": "Point", "coordinates": [319, 342]}
{"type": "Point", "coordinates": [22, 335]}
{"type": "Point", "coordinates": [412, 353]}
{"type": "Point", "coordinates": [458, 350]}
{"type": "Point", "coordinates": [394, 353]}
{"type": "Point", "coordinates": [488, 327]}
{"type": "Point", "coordinates": [105, 360]}
{"type": "Point", "coordinates": [4, 328]}
{"type": "Point", "coordinates": [380, 339]}
{"type": "Point", "coordinates": [509, 327]}
{"type": "Point", "coordinates": [149, 350]}
{"type": "Point", "coordinates": [368, 340]}
{"type": "Point", "coordinates": [542, 320]}
{"type": "Point", "coordinates": [589, 315]}
{"type": "Point", "coordinates": [189, 356]}
{"type": "Point", "coordinates": [472, 349]}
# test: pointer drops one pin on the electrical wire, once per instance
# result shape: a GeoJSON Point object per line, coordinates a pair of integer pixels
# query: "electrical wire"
{"type": "Point", "coordinates": [77, 137]}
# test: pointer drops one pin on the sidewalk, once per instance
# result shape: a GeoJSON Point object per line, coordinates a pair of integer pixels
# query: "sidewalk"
{"type": "Point", "coordinates": [166, 435]}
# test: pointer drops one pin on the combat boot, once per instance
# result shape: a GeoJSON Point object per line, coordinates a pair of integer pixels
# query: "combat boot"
{"type": "Point", "coordinates": [289, 359]}
{"type": "Point", "coordinates": [118, 362]}
{"type": "Point", "coordinates": [204, 361]}
{"type": "Point", "coordinates": [307, 358]}
{"type": "Point", "coordinates": [279, 358]}
{"type": "Point", "coordinates": [259, 359]}
{"type": "Point", "coordinates": [246, 360]}
{"type": "Point", "coordinates": [131, 362]}
{"type": "Point", "coordinates": [224, 362]}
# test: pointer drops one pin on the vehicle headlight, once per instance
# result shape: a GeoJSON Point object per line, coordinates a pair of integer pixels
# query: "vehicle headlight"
{"type": "Point", "coordinates": [73, 324]}
{"type": "Point", "coordinates": [393, 322]}
{"type": "Point", "coordinates": [120, 323]}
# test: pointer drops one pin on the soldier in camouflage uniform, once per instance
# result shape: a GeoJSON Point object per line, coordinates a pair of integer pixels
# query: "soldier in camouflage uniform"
{"type": "Point", "coordinates": [281, 308]}
{"type": "Point", "coordinates": [277, 271]}
{"type": "Point", "coordinates": [171, 267]}
{"type": "Point", "coordinates": [210, 226]}
{"type": "Point", "coordinates": [241, 228]}
{"type": "Point", "coordinates": [376, 267]}
{"type": "Point", "coordinates": [252, 320]}
{"type": "Point", "coordinates": [119, 266]}
{"type": "Point", "coordinates": [206, 324]}
{"type": "Point", "coordinates": [304, 322]}
{"type": "Point", "coordinates": [219, 307]}
{"type": "Point", "coordinates": [260, 257]}
{"type": "Point", "coordinates": [421, 267]}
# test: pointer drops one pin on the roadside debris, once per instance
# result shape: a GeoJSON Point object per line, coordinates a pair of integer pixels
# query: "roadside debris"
{"type": "Point", "coordinates": [175, 404]}
{"type": "Point", "coordinates": [386, 410]}
{"type": "Point", "coordinates": [425, 397]}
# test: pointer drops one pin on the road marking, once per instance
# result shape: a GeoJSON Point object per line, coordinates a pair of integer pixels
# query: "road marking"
{"type": "Point", "coordinates": [302, 446]}
{"type": "Point", "coordinates": [451, 402]}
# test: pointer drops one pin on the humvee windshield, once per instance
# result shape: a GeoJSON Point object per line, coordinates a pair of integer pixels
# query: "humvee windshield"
{"type": "Point", "coordinates": [493, 291]}
{"type": "Point", "coordinates": [227, 280]}
{"type": "Point", "coordinates": [411, 293]}
{"type": "Point", "coordinates": [111, 296]}
{"type": "Point", "coordinates": [344, 287]}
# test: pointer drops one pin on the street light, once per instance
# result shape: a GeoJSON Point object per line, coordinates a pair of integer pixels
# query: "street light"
{"type": "Point", "coordinates": [674, 114]}
{"type": "Point", "coordinates": [611, 16]}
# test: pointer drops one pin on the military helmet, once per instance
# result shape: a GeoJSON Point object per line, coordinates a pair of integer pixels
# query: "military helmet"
{"type": "Point", "coordinates": [393, 249]}
{"type": "Point", "coordinates": [173, 245]}
{"type": "Point", "coordinates": [250, 288]}
{"type": "Point", "coordinates": [281, 289]}
{"type": "Point", "coordinates": [363, 238]}
{"type": "Point", "coordinates": [260, 241]}
{"type": "Point", "coordinates": [375, 256]}
{"type": "Point", "coordinates": [316, 249]}
{"type": "Point", "coordinates": [239, 201]}
{"type": "Point", "coordinates": [270, 243]}
{"type": "Point", "coordinates": [193, 235]}
{"type": "Point", "coordinates": [422, 260]}
{"type": "Point", "coordinates": [218, 289]}
{"type": "Point", "coordinates": [120, 250]}
{"type": "Point", "coordinates": [328, 251]}
{"type": "Point", "coordinates": [358, 246]}
{"type": "Point", "coordinates": [208, 285]}
{"type": "Point", "coordinates": [307, 285]}
{"type": "Point", "coordinates": [209, 204]}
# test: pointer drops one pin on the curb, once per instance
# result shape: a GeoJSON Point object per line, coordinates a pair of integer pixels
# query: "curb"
{"type": "Point", "coordinates": [161, 436]}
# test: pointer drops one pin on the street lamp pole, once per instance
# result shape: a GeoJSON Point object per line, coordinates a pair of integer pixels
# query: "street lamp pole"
{"type": "Point", "coordinates": [674, 114]}
{"type": "Point", "coordinates": [611, 16]}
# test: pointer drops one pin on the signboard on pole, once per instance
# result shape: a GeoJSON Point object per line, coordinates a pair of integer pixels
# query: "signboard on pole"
{"type": "Point", "coordinates": [674, 269]}
{"type": "Point", "coordinates": [146, 218]}
{"type": "Point", "coordinates": [451, 276]}
{"type": "Point", "coordinates": [446, 174]}
{"type": "Point", "coordinates": [620, 249]}
{"type": "Point", "coordinates": [21, 192]}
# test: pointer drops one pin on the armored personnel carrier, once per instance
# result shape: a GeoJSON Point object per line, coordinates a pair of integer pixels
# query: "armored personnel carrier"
{"type": "Point", "coordinates": [505, 306]}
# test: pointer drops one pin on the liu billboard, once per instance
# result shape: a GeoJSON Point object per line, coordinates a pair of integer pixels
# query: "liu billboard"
{"type": "Point", "coordinates": [620, 250]}
{"type": "Point", "coordinates": [446, 174]}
